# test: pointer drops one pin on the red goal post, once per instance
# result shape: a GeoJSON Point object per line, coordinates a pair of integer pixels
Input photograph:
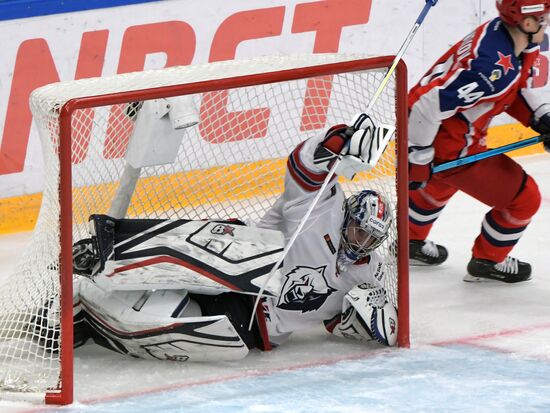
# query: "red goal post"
{"type": "Point", "coordinates": [252, 114]}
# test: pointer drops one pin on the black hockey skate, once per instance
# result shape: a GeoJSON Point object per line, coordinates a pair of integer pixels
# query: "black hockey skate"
{"type": "Point", "coordinates": [511, 270]}
{"type": "Point", "coordinates": [47, 327]}
{"type": "Point", "coordinates": [422, 253]}
{"type": "Point", "coordinates": [84, 257]}
{"type": "Point", "coordinates": [90, 254]}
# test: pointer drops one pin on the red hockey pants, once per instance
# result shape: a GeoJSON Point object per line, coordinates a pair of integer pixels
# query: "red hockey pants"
{"type": "Point", "coordinates": [498, 182]}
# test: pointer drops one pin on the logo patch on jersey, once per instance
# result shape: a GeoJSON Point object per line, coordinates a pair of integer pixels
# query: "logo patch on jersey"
{"type": "Point", "coordinates": [329, 243]}
{"type": "Point", "coordinates": [379, 272]}
{"type": "Point", "coordinates": [506, 62]}
{"type": "Point", "coordinates": [222, 229]}
{"type": "Point", "coordinates": [495, 75]}
{"type": "Point", "coordinates": [305, 289]}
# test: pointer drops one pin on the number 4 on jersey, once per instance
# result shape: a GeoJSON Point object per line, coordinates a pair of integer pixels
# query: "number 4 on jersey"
{"type": "Point", "coordinates": [467, 94]}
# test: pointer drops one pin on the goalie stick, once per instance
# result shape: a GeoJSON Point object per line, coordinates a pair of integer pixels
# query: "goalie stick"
{"type": "Point", "coordinates": [488, 154]}
{"type": "Point", "coordinates": [429, 4]}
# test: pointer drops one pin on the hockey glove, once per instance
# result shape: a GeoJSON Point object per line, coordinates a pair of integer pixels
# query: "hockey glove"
{"type": "Point", "coordinates": [366, 145]}
{"type": "Point", "coordinates": [540, 122]}
{"type": "Point", "coordinates": [331, 146]}
{"type": "Point", "coordinates": [359, 146]}
{"type": "Point", "coordinates": [367, 315]}
{"type": "Point", "coordinates": [419, 175]}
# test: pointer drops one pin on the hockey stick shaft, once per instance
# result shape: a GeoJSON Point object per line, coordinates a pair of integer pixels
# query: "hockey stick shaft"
{"type": "Point", "coordinates": [487, 154]}
{"type": "Point", "coordinates": [401, 52]}
{"type": "Point", "coordinates": [328, 178]}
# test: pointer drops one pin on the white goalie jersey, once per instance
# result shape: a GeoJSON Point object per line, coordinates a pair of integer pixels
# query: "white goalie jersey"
{"type": "Point", "coordinates": [313, 281]}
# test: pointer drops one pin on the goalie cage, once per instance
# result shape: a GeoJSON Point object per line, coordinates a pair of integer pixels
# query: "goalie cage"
{"type": "Point", "coordinates": [230, 165]}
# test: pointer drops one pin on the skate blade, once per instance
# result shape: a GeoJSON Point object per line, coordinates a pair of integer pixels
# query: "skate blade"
{"type": "Point", "coordinates": [474, 279]}
{"type": "Point", "coordinates": [417, 263]}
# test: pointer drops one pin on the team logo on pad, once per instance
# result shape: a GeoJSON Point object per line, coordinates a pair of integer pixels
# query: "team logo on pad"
{"type": "Point", "coordinates": [222, 229]}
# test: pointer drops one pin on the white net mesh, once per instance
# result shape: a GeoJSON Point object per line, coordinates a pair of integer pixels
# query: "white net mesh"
{"type": "Point", "coordinates": [230, 165]}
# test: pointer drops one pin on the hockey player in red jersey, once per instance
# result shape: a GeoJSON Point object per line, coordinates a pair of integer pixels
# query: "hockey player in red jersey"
{"type": "Point", "coordinates": [451, 108]}
{"type": "Point", "coordinates": [184, 290]}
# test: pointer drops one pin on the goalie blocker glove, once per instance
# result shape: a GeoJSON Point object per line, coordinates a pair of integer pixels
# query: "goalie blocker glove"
{"type": "Point", "coordinates": [358, 147]}
{"type": "Point", "coordinates": [540, 122]}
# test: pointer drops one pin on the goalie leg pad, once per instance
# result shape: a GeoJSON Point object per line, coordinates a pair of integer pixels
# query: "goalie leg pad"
{"type": "Point", "coordinates": [203, 257]}
{"type": "Point", "coordinates": [161, 325]}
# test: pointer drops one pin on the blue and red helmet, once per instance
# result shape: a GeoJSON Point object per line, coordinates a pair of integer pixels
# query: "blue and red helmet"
{"type": "Point", "coordinates": [367, 220]}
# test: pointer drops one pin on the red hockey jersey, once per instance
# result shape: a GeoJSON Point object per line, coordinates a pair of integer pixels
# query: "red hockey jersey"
{"type": "Point", "coordinates": [478, 78]}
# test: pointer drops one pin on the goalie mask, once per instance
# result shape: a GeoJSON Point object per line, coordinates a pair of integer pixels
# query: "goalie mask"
{"type": "Point", "coordinates": [367, 219]}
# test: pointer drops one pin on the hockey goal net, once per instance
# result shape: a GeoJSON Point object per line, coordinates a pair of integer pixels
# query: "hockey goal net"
{"type": "Point", "coordinates": [230, 165]}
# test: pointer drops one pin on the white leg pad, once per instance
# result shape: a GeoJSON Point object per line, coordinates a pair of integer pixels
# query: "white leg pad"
{"type": "Point", "coordinates": [203, 257]}
{"type": "Point", "coordinates": [161, 324]}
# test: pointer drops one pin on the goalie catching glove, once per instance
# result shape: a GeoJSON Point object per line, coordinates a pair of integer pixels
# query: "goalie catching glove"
{"type": "Point", "coordinates": [367, 315]}
{"type": "Point", "coordinates": [356, 148]}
